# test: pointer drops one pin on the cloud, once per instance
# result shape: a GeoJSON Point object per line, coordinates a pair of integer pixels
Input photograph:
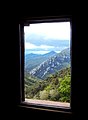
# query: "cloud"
{"type": "Point", "coordinates": [32, 46]}
{"type": "Point", "coordinates": [57, 31]}
{"type": "Point", "coordinates": [46, 47]}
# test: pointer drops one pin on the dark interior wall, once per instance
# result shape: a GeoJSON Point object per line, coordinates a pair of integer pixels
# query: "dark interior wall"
{"type": "Point", "coordinates": [11, 93]}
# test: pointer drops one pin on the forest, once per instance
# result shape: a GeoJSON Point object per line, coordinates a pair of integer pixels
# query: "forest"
{"type": "Point", "coordinates": [56, 87]}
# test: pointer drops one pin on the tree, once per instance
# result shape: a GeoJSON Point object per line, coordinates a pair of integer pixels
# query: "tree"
{"type": "Point", "coordinates": [64, 89]}
{"type": "Point", "coordinates": [44, 95]}
{"type": "Point", "coordinates": [54, 95]}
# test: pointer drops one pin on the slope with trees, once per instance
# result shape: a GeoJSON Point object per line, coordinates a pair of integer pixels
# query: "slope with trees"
{"type": "Point", "coordinates": [56, 87]}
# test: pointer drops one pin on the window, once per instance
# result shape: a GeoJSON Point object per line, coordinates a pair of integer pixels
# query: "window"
{"type": "Point", "coordinates": [46, 63]}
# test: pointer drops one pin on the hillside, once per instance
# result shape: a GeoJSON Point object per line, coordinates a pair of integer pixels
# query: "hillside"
{"type": "Point", "coordinates": [56, 62]}
{"type": "Point", "coordinates": [55, 88]}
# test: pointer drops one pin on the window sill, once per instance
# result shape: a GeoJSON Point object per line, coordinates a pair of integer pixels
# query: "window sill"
{"type": "Point", "coordinates": [45, 107]}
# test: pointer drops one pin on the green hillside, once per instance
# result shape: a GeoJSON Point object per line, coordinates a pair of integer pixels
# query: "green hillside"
{"type": "Point", "coordinates": [56, 87]}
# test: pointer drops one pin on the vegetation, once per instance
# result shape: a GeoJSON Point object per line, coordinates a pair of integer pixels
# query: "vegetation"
{"type": "Point", "coordinates": [56, 87]}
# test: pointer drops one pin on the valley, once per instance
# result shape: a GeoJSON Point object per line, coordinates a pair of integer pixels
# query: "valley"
{"type": "Point", "coordinates": [51, 79]}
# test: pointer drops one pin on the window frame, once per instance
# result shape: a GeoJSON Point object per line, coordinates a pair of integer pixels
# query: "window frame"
{"type": "Point", "coordinates": [27, 22]}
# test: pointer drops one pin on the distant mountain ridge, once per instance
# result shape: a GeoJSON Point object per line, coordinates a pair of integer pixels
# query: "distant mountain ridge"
{"type": "Point", "coordinates": [56, 62]}
{"type": "Point", "coordinates": [33, 60]}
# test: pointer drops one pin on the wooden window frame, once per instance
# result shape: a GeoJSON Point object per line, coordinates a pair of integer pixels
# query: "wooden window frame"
{"type": "Point", "coordinates": [27, 22]}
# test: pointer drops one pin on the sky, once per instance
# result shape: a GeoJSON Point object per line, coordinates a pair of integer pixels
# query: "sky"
{"type": "Point", "coordinates": [41, 38]}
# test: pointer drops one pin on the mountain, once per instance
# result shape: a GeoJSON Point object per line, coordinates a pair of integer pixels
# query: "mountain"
{"type": "Point", "coordinates": [57, 62]}
{"type": "Point", "coordinates": [33, 60]}
{"type": "Point", "coordinates": [51, 53]}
